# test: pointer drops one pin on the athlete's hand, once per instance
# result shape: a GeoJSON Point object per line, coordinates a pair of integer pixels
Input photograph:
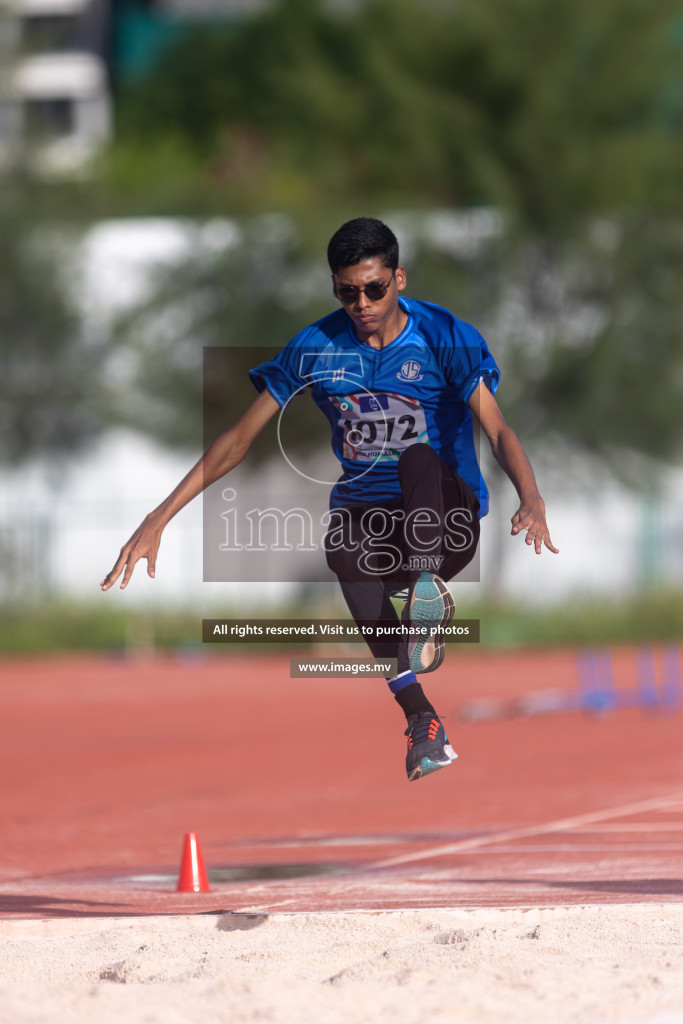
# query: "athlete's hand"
{"type": "Point", "coordinates": [143, 544]}
{"type": "Point", "coordinates": [530, 516]}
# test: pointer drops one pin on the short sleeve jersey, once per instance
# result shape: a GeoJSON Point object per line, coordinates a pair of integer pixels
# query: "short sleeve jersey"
{"type": "Point", "coordinates": [380, 401]}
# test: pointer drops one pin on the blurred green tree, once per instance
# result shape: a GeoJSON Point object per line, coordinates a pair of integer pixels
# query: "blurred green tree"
{"type": "Point", "coordinates": [564, 116]}
{"type": "Point", "coordinates": [599, 361]}
{"type": "Point", "coordinates": [552, 110]}
{"type": "Point", "coordinates": [50, 373]}
{"type": "Point", "coordinates": [217, 312]}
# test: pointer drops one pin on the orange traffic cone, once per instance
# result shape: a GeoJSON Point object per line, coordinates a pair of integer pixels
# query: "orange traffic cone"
{"type": "Point", "coordinates": [192, 877]}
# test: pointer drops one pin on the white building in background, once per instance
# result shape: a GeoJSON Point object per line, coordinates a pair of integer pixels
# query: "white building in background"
{"type": "Point", "coordinates": [57, 58]}
{"type": "Point", "coordinates": [55, 102]}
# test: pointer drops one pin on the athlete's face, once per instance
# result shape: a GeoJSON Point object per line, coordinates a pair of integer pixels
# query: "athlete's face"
{"type": "Point", "coordinates": [369, 292]}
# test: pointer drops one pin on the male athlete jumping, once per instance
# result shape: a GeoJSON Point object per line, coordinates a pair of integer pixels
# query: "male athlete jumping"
{"type": "Point", "coordinates": [401, 383]}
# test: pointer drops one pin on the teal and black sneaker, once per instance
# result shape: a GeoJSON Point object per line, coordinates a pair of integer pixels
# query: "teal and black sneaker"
{"type": "Point", "coordinates": [430, 604]}
{"type": "Point", "coordinates": [428, 746]}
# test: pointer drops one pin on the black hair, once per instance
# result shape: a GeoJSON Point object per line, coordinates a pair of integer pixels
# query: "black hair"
{"type": "Point", "coordinates": [364, 238]}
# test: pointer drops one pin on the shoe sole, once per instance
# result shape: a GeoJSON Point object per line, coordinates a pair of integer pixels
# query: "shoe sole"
{"type": "Point", "coordinates": [427, 766]}
{"type": "Point", "coordinates": [431, 605]}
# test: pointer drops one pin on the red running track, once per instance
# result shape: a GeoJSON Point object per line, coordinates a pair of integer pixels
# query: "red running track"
{"type": "Point", "coordinates": [298, 792]}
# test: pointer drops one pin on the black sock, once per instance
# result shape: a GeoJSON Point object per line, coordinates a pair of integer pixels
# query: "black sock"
{"type": "Point", "coordinates": [413, 701]}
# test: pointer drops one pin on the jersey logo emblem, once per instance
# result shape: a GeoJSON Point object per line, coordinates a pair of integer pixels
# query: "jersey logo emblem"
{"type": "Point", "coordinates": [410, 371]}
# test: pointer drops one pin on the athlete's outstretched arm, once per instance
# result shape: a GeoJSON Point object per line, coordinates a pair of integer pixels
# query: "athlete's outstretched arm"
{"type": "Point", "coordinates": [224, 454]}
{"type": "Point", "coordinates": [508, 451]}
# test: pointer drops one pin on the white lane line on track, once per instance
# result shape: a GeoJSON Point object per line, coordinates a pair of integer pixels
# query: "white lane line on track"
{"type": "Point", "coordinates": [561, 825]}
{"type": "Point", "coordinates": [634, 826]}
{"type": "Point", "coordinates": [559, 847]}
{"type": "Point", "coordinates": [265, 908]}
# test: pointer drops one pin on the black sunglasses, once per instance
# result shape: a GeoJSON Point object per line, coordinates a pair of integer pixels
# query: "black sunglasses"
{"type": "Point", "coordinates": [348, 293]}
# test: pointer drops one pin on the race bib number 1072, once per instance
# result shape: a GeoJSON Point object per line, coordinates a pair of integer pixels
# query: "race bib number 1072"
{"type": "Point", "coordinates": [379, 427]}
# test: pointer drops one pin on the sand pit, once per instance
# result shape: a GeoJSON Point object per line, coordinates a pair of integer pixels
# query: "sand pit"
{"type": "Point", "coordinates": [585, 965]}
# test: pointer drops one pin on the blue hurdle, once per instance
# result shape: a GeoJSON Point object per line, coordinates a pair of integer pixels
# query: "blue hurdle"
{"type": "Point", "coordinates": [658, 689]}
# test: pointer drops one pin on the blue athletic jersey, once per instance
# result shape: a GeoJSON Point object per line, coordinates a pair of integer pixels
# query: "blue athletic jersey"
{"type": "Point", "coordinates": [380, 401]}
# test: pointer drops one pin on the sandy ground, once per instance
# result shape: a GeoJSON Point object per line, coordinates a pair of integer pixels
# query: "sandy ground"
{"type": "Point", "coordinates": [580, 964]}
